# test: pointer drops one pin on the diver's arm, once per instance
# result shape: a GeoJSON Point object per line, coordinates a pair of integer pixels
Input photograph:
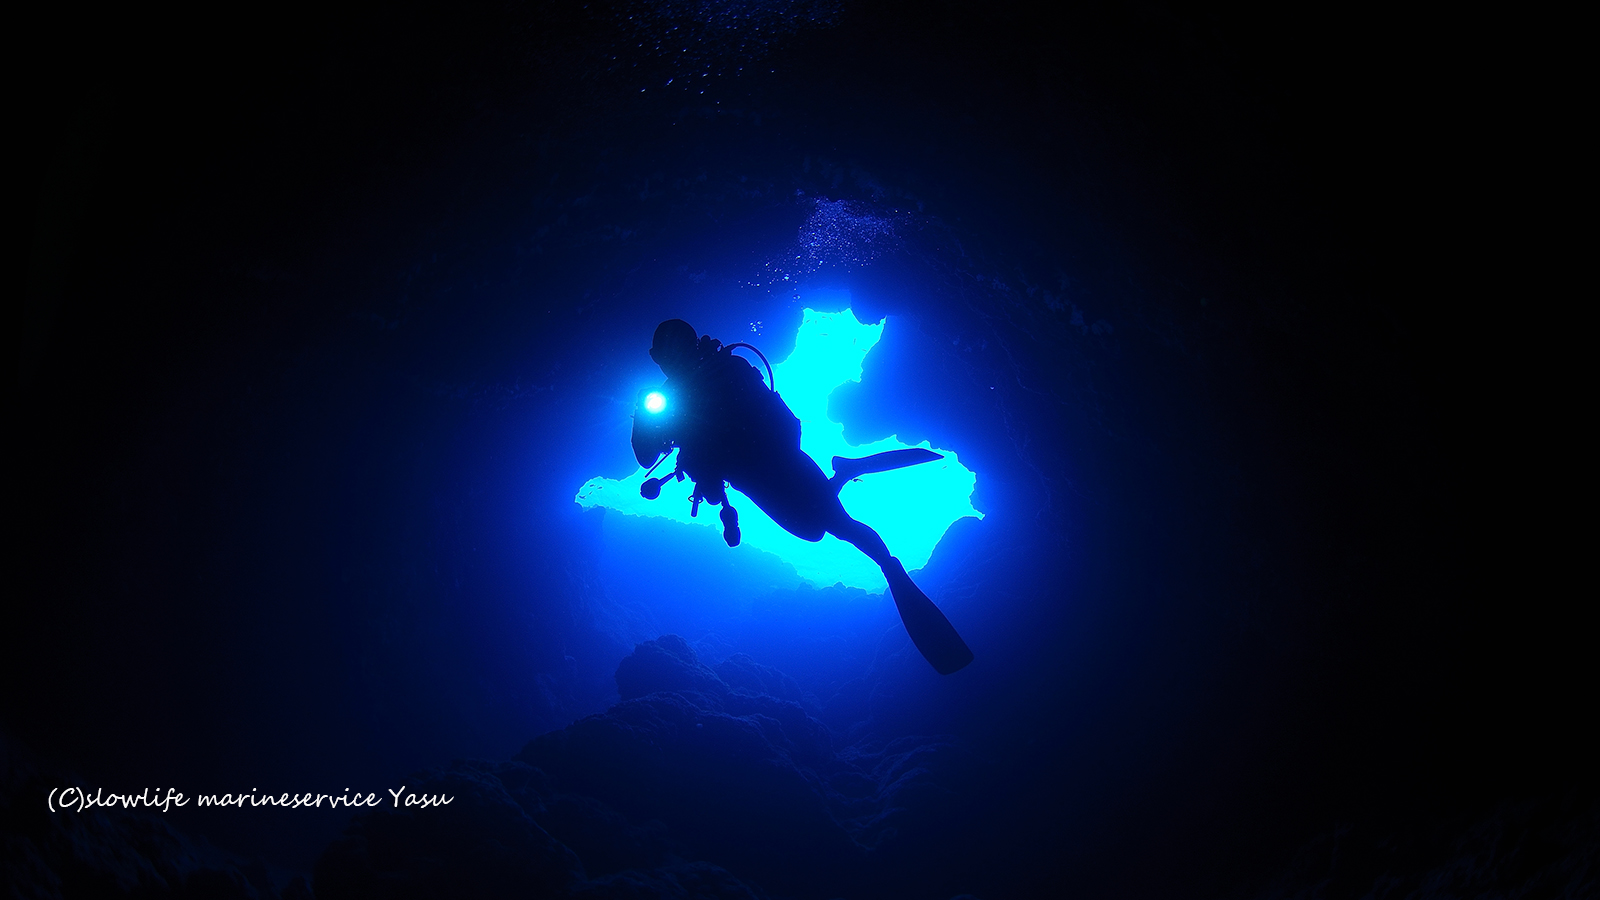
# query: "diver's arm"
{"type": "Point", "coordinates": [651, 436]}
{"type": "Point", "coordinates": [649, 441]}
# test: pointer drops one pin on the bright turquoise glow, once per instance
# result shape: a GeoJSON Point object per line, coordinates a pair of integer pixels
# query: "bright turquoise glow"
{"type": "Point", "coordinates": [655, 402]}
{"type": "Point", "coordinates": [911, 508]}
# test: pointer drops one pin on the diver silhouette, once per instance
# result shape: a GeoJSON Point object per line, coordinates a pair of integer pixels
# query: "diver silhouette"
{"type": "Point", "coordinates": [731, 428]}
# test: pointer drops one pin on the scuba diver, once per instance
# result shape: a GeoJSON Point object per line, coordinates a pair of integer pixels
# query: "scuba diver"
{"type": "Point", "coordinates": [731, 428]}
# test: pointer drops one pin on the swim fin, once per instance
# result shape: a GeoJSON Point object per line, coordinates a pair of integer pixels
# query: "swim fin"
{"type": "Point", "coordinates": [844, 468]}
{"type": "Point", "coordinates": [933, 634]}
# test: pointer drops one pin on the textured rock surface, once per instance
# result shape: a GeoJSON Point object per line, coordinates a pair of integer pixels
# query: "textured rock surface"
{"type": "Point", "coordinates": [110, 852]}
{"type": "Point", "coordinates": [482, 844]}
{"type": "Point", "coordinates": [1539, 848]}
{"type": "Point", "coordinates": [692, 786]}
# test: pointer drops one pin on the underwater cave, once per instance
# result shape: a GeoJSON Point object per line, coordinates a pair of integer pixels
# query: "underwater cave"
{"type": "Point", "coordinates": [336, 324]}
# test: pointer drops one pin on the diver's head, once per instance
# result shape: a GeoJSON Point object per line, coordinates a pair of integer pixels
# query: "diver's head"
{"type": "Point", "coordinates": [674, 347]}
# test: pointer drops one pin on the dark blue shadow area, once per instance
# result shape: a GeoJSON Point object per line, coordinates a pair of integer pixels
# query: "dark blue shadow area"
{"type": "Point", "coordinates": [330, 315]}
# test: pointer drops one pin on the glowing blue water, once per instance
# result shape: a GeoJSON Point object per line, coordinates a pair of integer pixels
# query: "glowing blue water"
{"type": "Point", "coordinates": [911, 508]}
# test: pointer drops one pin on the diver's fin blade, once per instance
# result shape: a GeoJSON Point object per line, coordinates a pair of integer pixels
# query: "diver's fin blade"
{"type": "Point", "coordinates": [846, 468]}
{"type": "Point", "coordinates": [930, 631]}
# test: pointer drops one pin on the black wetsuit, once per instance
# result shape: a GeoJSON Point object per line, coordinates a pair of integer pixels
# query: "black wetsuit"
{"type": "Point", "coordinates": [728, 426]}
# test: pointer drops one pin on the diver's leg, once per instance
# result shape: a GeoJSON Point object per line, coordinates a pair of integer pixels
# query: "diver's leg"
{"type": "Point", "coordinates": [858, 533]}
{"type": "Point", "coordinates": [793, 491]}
{"type": "Point", "coordinates": [933, 634]}
{"type": "Point", "coordinates": [790, 488]}
{"type": "Point", "coordinates": [730, 524]}
{"type": "Point", "coordinates": [716, 494]}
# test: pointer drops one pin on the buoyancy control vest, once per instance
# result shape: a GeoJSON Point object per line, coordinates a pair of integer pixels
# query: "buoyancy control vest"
{"type": "Point", "coordinates": [717, 413]}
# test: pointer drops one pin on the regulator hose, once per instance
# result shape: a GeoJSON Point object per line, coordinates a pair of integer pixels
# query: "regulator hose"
{"type": "Point", "coordinates": [772, 383]}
